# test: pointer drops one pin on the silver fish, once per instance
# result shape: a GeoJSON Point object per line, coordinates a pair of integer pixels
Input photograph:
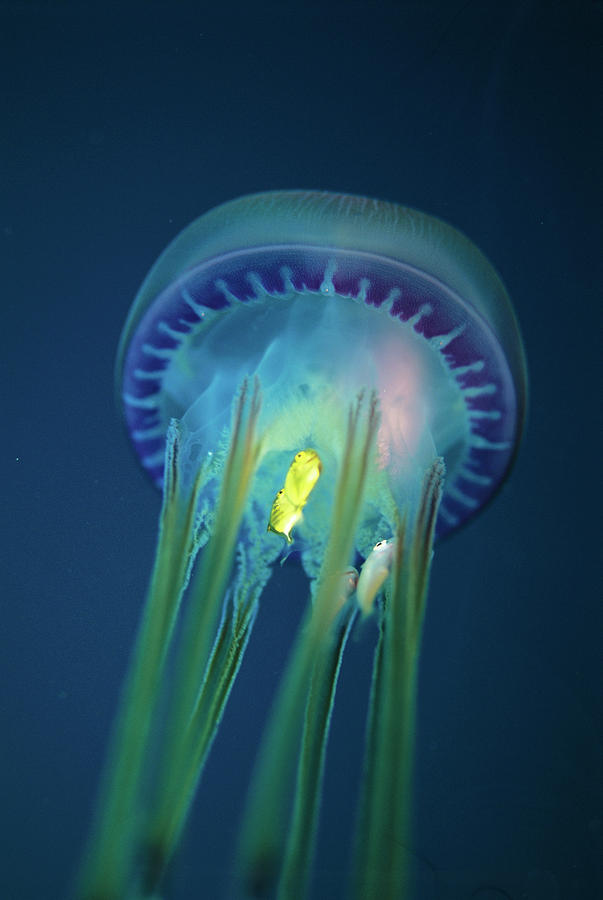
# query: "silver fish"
{"type": "Point", "coordinates": [373, 573]}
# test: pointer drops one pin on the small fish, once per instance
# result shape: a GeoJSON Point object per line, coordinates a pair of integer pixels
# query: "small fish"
{"type": "Point", "coordinates": [302, 475]}
{"type": "Point", "coordinates": [284, 516]}
{"type": "Point", "coordinates": [373, 573]}
{"type": "Point", "coordinates": [348, 582]}
{"type": "Point", "coordinates": [341, 587]}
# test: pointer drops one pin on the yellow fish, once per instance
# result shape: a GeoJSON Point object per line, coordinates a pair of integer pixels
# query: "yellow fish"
{"type": "Point", "coordinates": [287, 507]}
{"type": "Point", "coordinates": [303, 474]}
{"type": "Point", "coordinates": [284, 515]}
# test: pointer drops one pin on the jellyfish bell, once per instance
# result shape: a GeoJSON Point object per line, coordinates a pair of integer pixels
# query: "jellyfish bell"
{"type": "Point", "coordinates": [386, 352]}
{"type": "Point", "coordinates": [322, 295]}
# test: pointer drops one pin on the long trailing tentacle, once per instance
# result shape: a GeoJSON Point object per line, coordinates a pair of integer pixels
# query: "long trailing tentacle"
{"type": "Point", "coordinates": [108, 861]}
{"type": "Point", "coordinates": [194, 716]}
{"type": "Point", "coordinates": [109, 868]}
{"type": "Point", "coordinates": [301, 840]}
{"type": "Point", "coordinates": [268, 806]}
{"type": "Point", "coordinates": [381, 870]}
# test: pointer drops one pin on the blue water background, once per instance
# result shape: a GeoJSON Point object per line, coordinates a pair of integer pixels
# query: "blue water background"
{"type": "Point", "coordinates": [120, 124]}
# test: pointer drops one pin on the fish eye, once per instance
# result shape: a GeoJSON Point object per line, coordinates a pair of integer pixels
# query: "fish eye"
{"type": "Point", "coordinates": [379, 544]}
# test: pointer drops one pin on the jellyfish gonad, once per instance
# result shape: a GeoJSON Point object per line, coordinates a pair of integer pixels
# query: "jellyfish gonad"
{"type": "Point", "coordinates": [330, 373]}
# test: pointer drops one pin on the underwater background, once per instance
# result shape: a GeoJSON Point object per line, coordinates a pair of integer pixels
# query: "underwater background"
{"type": "Point", "coordinates": [120, 123]}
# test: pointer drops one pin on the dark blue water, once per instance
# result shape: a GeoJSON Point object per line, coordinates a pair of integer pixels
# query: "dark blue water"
{"type": "Point", "coordinates": [118, 128]}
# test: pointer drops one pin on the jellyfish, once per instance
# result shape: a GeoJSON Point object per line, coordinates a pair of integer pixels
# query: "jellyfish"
{"type": "Point", "coordinates": [325, 375]}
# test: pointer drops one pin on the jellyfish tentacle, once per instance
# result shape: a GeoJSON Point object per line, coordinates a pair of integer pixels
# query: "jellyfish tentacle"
{"type": "Point", "coordinates": [106, 869]}
{"type": "Point", "coordinates": [424, 533]}
{"type": "Point", "coordinates": [267, 810]}
{"type": "Point", "coordinates": [364, 854]}
{"type": "Point", "coordinates": [301, 839]}
{"type": "Point", "coordinates": [381, 866]}
{"type": "Point", "coordinates": [187, 736]}
{"type": "Point", "coordinates": [223, 667]}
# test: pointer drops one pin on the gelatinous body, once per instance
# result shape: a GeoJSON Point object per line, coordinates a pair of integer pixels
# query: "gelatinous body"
{"type": "Point", "coordinates": [382, 341]}
{"type": "Point", "coordinates": [321, 295]}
